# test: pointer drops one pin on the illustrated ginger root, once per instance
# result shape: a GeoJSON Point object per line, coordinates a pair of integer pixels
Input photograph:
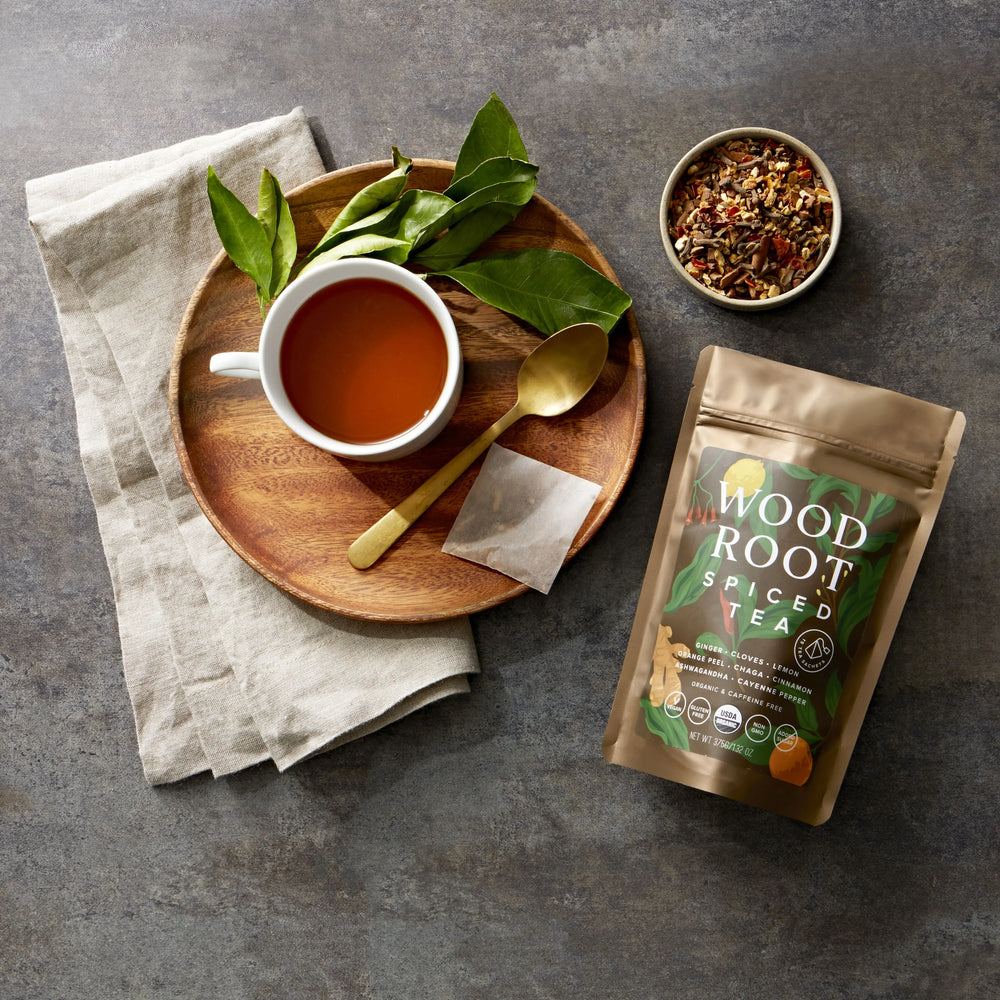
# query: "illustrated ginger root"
{"type": "Point", "coordinates": [665, 678]}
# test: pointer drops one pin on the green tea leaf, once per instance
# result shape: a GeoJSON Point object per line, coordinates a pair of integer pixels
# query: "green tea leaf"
{"type": "Point", "coordinates": [268, 195]}
{"type": "Point", "coordinates": [243, 237]}
{"type": "Point", "coordinates": [496, 170]}
{"type": "Point", "coordinates": [375, 196]}
{"type": "Point", "coordinates": [359, 246]}
{"type": "Point", "coordinates": [549, 289]}
{"type": "Point", "coordinates": [404, 219]}
{"type": "Point", "coordinates": [381, 222]}
{"type": "Point", "coordinates": [464, 237]}
{"type": "Point", "coordinates": [419, 211]}
{"type": "Point", "coordinates": [280, 228]}
{"type": "Point", "coordinates": [672, 731]}
{"type": "Point", "coordinates": [515, 188]}
{"type": "Point", "coordinates": [493, 133]}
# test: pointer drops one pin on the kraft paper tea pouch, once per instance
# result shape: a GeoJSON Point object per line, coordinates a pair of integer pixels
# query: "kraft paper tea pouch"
{"type": "Point", "coordinates": [797, 509]}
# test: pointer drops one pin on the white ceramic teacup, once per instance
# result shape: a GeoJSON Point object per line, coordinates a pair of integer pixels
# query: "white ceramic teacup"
{"type": "Point", "coordinates": [265, 363]}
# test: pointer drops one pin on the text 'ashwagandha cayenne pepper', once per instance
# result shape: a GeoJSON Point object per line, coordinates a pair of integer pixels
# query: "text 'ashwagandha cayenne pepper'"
{"type": "Point", "coordinates": [797, 510]}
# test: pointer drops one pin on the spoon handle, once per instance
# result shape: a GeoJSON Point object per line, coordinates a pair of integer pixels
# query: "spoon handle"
{"type": "Point", "coordinates": [366, 550]}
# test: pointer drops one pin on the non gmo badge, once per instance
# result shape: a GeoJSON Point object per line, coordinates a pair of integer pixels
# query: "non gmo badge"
{"type": "Point", "coordinates": [728, 719]}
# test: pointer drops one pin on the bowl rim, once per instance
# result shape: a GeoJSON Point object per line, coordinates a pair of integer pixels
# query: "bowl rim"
{"type": "Point", "coordinates": [752, 132]}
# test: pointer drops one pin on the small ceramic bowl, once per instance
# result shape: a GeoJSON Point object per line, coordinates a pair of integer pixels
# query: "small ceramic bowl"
{"type": "Point", "coordinates": [679, 173]}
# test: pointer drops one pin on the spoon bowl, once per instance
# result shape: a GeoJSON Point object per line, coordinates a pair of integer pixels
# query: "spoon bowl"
{"type": "Point", "coordinates": [558, 373]}
{"type": "Point", "coordinates": [552, 379]}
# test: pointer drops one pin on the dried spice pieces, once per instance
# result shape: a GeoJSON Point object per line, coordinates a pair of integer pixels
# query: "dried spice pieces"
{"type": "Point", "coordinates": [751, 218]}
{"type": "Point", "coordinates": [797, 510]}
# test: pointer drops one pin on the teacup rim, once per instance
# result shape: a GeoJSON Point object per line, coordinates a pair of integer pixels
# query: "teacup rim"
{"type": "Point", "coordinates": [299, 291]}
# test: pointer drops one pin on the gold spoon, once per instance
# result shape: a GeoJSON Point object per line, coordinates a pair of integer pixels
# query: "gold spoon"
{"type": "Point", "coordinates": [554, 377]}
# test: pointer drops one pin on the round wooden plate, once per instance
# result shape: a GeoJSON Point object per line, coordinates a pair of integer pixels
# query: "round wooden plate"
{"type": "Point", "coordinates": [291, 510]}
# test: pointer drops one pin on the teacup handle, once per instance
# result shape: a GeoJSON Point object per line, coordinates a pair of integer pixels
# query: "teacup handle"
{"type": "Point", "coordinates": [236, 364]}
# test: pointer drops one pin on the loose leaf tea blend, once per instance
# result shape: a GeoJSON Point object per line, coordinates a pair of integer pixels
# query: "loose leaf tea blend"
{"type": "Point", "coordinates": [797, 510]}
{"type": "Point", "coordinates": [751, 219]}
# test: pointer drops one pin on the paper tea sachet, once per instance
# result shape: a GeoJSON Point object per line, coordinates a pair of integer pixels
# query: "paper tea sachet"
{"type": "Point", "coordinates": [521, 517]}
{"type": "Point", "coordinates": [797, 510]}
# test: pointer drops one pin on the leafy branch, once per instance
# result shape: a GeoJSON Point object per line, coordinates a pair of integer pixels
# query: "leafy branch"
{"type": "Point", "coordinates": [492, 181]}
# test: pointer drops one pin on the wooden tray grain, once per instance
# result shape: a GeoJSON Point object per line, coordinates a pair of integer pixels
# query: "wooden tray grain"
{"type": "Point", "coordinates": [291, 510]}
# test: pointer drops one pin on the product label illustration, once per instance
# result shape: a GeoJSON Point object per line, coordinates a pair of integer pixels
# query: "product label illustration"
{"type": "Point", "coordinates": [778, 570]}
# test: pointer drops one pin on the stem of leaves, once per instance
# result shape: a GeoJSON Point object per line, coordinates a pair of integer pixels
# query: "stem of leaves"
{"type": "Point", "coordinates": [492, 181]}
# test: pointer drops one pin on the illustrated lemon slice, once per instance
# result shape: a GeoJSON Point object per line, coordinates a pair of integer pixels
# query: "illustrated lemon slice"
{"type": "Point", "coordinates": [746, 472]}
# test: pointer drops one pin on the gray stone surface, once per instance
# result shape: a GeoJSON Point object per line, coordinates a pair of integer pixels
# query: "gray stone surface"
{"type": "Point", "coordinates": [482, 848]}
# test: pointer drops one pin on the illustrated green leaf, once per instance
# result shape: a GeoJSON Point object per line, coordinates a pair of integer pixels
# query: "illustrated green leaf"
{"type": "Point", "coordinates": [689, 583]}
{"type": "Point", "coordinates": [772, 616]}
{"type": "Point", "coordinates": [549, 289]}
{"type": "Point", "coordinates": [493, 133]}
{"type": "Point", "coordinates": [856, 604]}
{"type": "Point", "coordinates": [878, 539]}
{"type": "Point", "coordinates": [834, 689]}
{"type": "Point", "coordinates": [751, 752]}
{"type": "Point", "coordinates": [243, 237]}
{"type": "Point", "coordinates": [822, 485]}
{"type": "Point", "coordinates": [712, 639]}
{"type": "Point", "coordinates": [878, 506]}
{"type": "Point", "coordinates": [805, 714]}
{"type": "Point", "coordinates": [672, 731]}
{"type": "Point", "coordinates": [797, 472]}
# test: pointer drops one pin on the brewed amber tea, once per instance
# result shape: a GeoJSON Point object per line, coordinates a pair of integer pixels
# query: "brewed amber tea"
{"type": "Point", "coordinates": [363, 360]}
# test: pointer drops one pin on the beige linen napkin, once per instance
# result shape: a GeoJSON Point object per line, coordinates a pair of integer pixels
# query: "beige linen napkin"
{"type": "Point", "coordinates": [223, 669]}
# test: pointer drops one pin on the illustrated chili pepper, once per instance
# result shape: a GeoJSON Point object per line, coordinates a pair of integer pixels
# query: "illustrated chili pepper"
{"type": "Point", "coordinates": [727, 614]}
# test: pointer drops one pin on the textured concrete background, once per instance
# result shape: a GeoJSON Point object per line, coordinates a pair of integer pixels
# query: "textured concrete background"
{"type": "Point", "coordinates": [482, 848]}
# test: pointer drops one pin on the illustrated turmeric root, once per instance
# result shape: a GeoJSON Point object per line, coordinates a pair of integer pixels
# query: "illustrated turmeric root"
{"type": "Point", "coordinates": [665, 679]}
